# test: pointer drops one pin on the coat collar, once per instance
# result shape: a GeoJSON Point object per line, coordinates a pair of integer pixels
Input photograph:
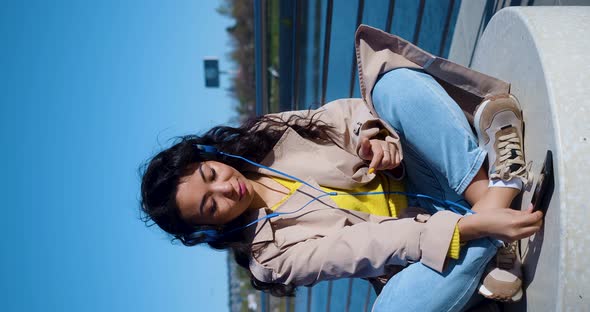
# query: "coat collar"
{"type": "Point", "coordinates": [301, 202]}
{"type": "Point", "coordinates": [262, 231]}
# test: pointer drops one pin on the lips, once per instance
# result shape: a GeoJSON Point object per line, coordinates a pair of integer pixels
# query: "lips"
{"type": "Point", "coordinates": [242, 189]}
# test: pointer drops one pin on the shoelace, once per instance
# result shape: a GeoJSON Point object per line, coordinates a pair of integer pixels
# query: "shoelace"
{"type": "Point", "coordinates": [506, 256]}
{"type": "Point", "coordinates": [511, 162]}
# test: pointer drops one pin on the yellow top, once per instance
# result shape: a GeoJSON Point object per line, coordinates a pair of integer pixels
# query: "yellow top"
{"type": "Point", "coordinates": [389, 205]}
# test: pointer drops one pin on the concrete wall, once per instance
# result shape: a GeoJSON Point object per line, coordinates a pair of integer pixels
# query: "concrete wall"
{"type": "Point", "coordinates": [544, 53]}
{"type": "Point", "coordinates": [473, 17]}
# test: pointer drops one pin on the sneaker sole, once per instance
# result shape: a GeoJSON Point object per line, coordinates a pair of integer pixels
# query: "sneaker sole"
{"type": "Point", "coordinates": [477, 119]}
{"type": "Point", "coordinates": [488, 294]}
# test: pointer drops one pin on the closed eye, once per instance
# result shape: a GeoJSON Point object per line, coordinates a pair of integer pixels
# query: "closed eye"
{"type": "Point", "coordinates": [213, 174]}
{"type": "Point", "coordinates": [213, 208]}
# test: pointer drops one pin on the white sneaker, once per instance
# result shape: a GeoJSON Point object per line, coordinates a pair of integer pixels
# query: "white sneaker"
{"type": "Point", "coordinates": [499, 126]}
{"type": "Point", "coordinates": [503, 277]}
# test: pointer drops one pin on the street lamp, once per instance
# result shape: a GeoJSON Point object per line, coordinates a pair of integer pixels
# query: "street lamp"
{"type": "Point", "coordinates": [211, 72]}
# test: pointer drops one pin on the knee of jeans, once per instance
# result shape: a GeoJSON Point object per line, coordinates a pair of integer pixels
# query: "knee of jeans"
{"type": "Point", "coordinates": [393, 82]}
{"type": "Point", "coordinates": [401, 78]}
{"type": "Point", "coordinates": [404, 91]}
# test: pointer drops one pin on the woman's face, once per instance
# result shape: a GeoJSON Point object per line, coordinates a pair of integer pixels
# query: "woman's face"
{"type": "Point", "coordinates": [214, 194]}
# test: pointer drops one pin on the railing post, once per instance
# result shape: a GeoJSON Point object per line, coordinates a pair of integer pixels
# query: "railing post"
{"type": "Point", "coordinates": [445, 33]}
{"type": "Point", "coordinates": [368, 297]}
{"type": "Point", "coordinates": [260, 57]}
{"type": "Point", "coordinates": [326, 59]}
{"type": "Point", "coordinates": [309, 293]}
{"type": "Point", "coordinates": [390, 11]}
{"type": "Point", "coordinates": [348, 295]}
{"type": "Point", "coordinates": [329, 295]}
{"type": "Point", "coordinates": [418, 22]}
{"type": "Point", "coordinates": [359, 19]}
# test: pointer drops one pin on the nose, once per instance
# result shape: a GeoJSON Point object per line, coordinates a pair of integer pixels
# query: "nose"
{"type": "Point", "coordinates": [223, 187]}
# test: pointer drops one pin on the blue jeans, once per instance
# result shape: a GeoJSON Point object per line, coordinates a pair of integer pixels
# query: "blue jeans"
{"type": "Point", "coordinates": [441, 156]}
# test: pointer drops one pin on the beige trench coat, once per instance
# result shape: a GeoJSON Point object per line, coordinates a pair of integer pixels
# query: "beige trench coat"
{"type": "Point", "coordinates": [318, 241]}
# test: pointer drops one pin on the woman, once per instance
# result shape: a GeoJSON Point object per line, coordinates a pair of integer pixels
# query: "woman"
{"type": "Point", "coordinates": [298, 231]}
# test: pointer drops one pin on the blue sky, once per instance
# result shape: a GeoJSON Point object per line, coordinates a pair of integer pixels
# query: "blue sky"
{"type": "Point", "coordinates": [89, 91]}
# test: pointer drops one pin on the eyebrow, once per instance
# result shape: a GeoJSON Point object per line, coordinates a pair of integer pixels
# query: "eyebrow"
{"type": "Point", "coordinates": [204, 196]}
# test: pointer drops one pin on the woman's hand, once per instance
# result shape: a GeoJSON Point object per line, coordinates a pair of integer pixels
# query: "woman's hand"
{"type": "Point", "coordinates": [506, 225]}
{"type": "Point", "coordinates": [383, 155]}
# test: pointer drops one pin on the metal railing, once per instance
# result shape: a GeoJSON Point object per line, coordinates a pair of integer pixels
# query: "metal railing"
{"type": "Point", "coordinates": [291, 67]}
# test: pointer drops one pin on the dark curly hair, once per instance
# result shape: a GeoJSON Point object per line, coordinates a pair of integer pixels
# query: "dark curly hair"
{"type": "Point", "coordinates": [253, 140]}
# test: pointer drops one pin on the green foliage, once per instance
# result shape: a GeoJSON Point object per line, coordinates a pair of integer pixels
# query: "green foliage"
{"type": "Point", "coordinates": [242, 54]}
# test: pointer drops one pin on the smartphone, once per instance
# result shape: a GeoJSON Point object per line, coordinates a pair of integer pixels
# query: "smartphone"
{"type": "Point", "coordinates": [545, 186]}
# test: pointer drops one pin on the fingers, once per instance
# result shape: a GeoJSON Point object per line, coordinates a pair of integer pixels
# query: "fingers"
{"type": "Point", "coordinates": [530, 208]}
{"type": "Point", "coordinates": [397, 158]}
{"type": "Point", "coordinates": [365, 151]}
{"type": "Point", "coordinates": [385, 155]}
{"type": "Point", "coordinates": [538, 215]}
{"type": "Point", "coordinates": [528, 231]}
{"type": "Point", "coordinates": [527, 224]}
{"type": "Point", "coordinates": [532, 217]}
{"type": "Point", "coordinates": [520, 233]}
{"type": "Point", "coordinates": [378, 155]}
{"type": "Point", "coordinates": [510, 225]}
{"type": "Point", "coordinates": [526, 216]}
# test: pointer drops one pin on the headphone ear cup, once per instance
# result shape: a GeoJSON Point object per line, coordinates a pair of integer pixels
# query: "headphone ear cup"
{"type": "Point", "coordinates": [207, 152]}
{"type": "Point", "coordinates": [211, 235]}
{"type": "Point", "coordinates": [205, 236]}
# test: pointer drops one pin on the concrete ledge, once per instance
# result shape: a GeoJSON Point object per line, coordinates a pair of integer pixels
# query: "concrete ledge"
{"type": "Point", "coordinates": [543, 52]}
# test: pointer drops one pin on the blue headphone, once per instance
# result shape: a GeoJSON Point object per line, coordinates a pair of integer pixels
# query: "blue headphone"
{"type": "Point", "coordinates": [207, 151]}
{"type": "Point", "coordinates": [205, 236]}
{"type": "Point", "coordinates": [211, 235]}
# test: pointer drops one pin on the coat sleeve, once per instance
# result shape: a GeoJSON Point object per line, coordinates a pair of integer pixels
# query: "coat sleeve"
{"type": "Point", "coordinates": [360, 250]}
{"type": "Point", "coordinates": [352, 121]}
